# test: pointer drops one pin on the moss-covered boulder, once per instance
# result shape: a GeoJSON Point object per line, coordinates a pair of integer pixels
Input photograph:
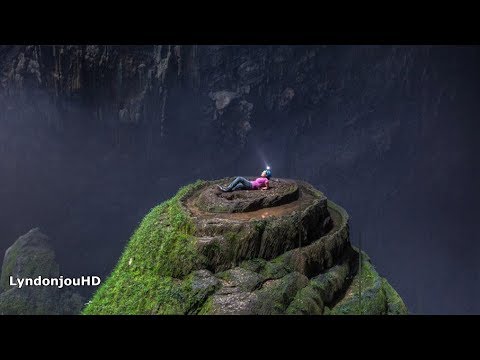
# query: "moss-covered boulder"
{"type": "Point", "coordinates": [29, 257]}
{"type": "Point", "coordinates": [289, 257]}
{"type": "Point", "coordinates": [369, 294]}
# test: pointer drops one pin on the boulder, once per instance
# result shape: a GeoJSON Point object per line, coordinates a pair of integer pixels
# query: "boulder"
{"type": "Point", "coordinates": [257, 253]}
{"type": "Point", "coordinates": [29, 257]}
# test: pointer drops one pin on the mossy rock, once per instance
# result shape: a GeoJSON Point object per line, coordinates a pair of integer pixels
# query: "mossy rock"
{"type": "Point", "coordinates": [244, 279]}
{"type": "Point", "coordinates": [179, 261]}
{"type": "Point", "coordinates": [369, 294]}
{"type": "Point", "coordinates": [199, 286]}
{"type": "Point", "coordinates": [40, 301]}
{"type": "Point", "coordinates": [395, 304]}
{"type": "Point", "coordinates": [315, 257]}
{"type": "Point", "coordinates": [275, 295]}
{"type": "Point", "coordinates": [320, 291]}
{"type": "Point", "coordinates": [308, 301]}
{"type": "Point", "coordinates": [150, 277]}
{"type": "Point", "coordinates": [31, 256]}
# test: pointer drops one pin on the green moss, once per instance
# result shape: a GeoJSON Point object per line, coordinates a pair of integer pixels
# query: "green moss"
{"type": "Point", "coordinates": [195, 294]}
{"type": "Point", "coordinates": [211, 249]}
{"type": "Point", "coordinates": [7, 268]}
{"type": "Point", "coordinates": [207, 307]}
{"type": "Point", "coordinates": [260, 225]}
{"type": "Point", "coordinates": [395, 304]}
{"type": "Point", "coordinates": [255, 265]}
{"type": "Point", "coordinates": [32, 301]}
{"type": "Point", "coordinates": [147, 277]}
{"type": "Point", "coordinates": [307, 301]}
{"type": "Point", "coordinates": [275, 268]}
{"type": "Point", "coordinates": [320, 290]}
{"type": "Point", "coordinates": [232, 245]}
{"type": "Point", "coordinates": [375, 296]}
{"type": "Point", "coordinates": [31, 262]}
{"type": "Point", "coordinates": [40, 263]}
{"type": "Point", "coordinates": [12, 303]}
{"type": "Point", "coordinates": [275, 295]}
{"type": "Point", "coordinates": [224, 275]}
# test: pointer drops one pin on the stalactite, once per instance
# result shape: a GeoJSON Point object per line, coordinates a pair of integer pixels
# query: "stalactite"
{"type": "Point", "coordinates": [141, 79]}
{"type": "Point", "coordinates": [195, 69]}
{"type": "Point", "coordinates": [178, 57]}
{"type": "Point", "coordinates": [77, 73]}
{"type": "Point", "coordinates": [119, 74]}
{"type": "Point", "coordinates": [55, 70]}
{"type": "Point", "coordinates": [157, 51]}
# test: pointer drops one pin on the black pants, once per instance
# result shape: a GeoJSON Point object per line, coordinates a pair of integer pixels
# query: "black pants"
{"type": "Point", "coordinates": [240, 183]}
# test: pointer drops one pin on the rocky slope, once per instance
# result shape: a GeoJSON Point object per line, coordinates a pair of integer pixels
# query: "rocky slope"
{"type": "Point", "coordinates": [29, 257]}
{"type": "Point", "coordinates": [281, 251]}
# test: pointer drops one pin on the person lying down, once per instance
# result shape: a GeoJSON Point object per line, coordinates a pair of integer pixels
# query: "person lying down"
{"type": "Point", "coordinates": [240, 183]}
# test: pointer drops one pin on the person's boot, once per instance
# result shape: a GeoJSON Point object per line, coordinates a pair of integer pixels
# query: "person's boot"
{"type": "Point", "coordinates": [222, 188]}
